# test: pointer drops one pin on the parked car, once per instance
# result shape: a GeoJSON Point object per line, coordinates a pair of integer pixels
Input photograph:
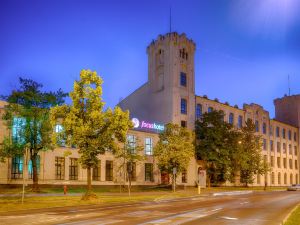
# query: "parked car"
{"type": "Point", "coordinates": [294, 187]}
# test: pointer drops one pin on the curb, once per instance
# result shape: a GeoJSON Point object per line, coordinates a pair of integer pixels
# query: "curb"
{"type": "Point", "coordinates": [290, 213]}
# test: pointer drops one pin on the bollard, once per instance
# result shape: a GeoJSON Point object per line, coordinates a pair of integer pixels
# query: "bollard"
{"type": "Point", "coordinates": [65, 189]}
{"type": "Point", "coordinates": [199, 189]}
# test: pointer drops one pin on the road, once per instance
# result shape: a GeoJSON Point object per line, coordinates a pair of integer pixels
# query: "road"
{"type": "Point", "coordinates": [258, 208]}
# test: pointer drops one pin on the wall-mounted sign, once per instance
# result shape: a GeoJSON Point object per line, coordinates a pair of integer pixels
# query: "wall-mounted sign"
{"type": "Point", "coordinates": [147, 125]}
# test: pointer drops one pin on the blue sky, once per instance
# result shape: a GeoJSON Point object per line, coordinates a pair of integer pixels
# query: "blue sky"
{"type": "Point", "coordinates": [245, 48]}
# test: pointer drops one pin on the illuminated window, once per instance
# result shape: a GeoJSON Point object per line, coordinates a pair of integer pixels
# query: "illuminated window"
{"type": "Point", "coordinates": [183, 79]}
{"type": "Point", "coordinates": [96, 172]}
{"type": "Point", "coordinates": [109, 170]}
{"type": "Point", "coordinates": [148, 146]}
{"type": "Point", "coordinates": [18, 129]}
{"type": "Point", "coordinates": [198, 111]}
{"type": "Point", "coordinates": [183, 107]}
{"type": "Point", "coordinates": [59, 168]}
{"type": "Point", "coordinates": [149, 172]}
{"type": "Point", "coordinates": [17, 167]}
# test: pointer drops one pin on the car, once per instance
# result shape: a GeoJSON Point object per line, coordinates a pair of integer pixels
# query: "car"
{"type": "Point", "coordinates": [294, 187]}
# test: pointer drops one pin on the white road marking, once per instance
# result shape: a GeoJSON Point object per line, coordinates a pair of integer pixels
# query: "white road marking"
{"type": "Point", "coordinates": [243, 203]}
{"type": "Point", "coordinates": [229, 218]}
{"type": "Point", "coordinates": [232, 193]}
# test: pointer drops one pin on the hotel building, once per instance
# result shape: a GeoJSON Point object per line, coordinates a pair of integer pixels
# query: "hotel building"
{"type": "Point", "coordinates": [169, 96]}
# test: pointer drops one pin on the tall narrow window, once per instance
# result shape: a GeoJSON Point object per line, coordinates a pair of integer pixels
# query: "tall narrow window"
{"type": "Point", "coordinates": [278, 147]}
{"type": "Point", "coordinates": [296, 164]}
{"type": "Point", "coordinates": [109, 170]}
{"type": "Point", "coordinates": [279, 178]}
{"type": "Point", "coordinates": [184, 176]}
{"type": "Point", "coordinates": [149, 172]}
{"type": "Point", "coordinates": [295, 150]}
{"type": "Point", "coordinates": [17, 167]}
{"type": "Point", "coordinates": [73, 169]}
{"type": "Point", "coordinates": [295, 136]}
{"type": "Point", "coordinates": [283, 133]}
{"type": "Point", "coordinates": [96, 172]}
{"type": "Point", "coordinates": [284, 163]}
{"type": "Point", "coordinates": [131, 143]}
{"type": "Point", "coordinates": [231, 118]}
{"type": "Point", "coordinates": [277, 132]}
{"type": "Point", "coordinates": [59, 168]}
{"type": "Point", "coordinates": [183, 79]}
{"type": "Point", "coordinates": [264, 128]}
{"type": "Point", "coordinates": [30, 167]}
{"type": "Point", "coordinates": [131, 170]}
{"type": "Point", "coordinates": [290, 149]}
{"type": "Point", "coordinates": [148, 146]}
{"type": "Point", "coordinates": [183, 107]}
{"type": "Point", "coordinates": [278, 162]}
{"type": "Point", "coordinates": [198, 111]}
{"type": "Point", "coordinates": [291, 163]}
{"type": "Point", "coordinates": [271, 146]}
{"type": "Point", "coordinates": [210, 109]}
{"type": "Point", "coordinates": [284, 147]}
{"type": "Point", "coordinates": [264, 144]}
{"type": "Point", "coordinates": [256, 126]}
{"type": "Point", "coordinates": [290, 135]}
{"type": "Point", "coordinates": [240, 122]}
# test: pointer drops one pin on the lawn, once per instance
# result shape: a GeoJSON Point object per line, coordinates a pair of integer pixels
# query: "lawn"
{"type": "Point", "coordinates": [294, 218]}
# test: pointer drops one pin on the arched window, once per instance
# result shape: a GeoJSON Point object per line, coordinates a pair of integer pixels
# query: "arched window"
{"type": "Point", "coordinates": [285, 178]}
{"type": "Point", "coordinates": [291, 178]}
{"type": "Point", "coordinates": [279, 178]}
{"type": "Point", "coordinates": [272, 178]}
{"type": "Point", "coordinates": [231, 118]}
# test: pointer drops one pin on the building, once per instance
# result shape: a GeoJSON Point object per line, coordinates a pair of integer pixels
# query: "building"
{"type": "Point", "coordinates": [169, 96]}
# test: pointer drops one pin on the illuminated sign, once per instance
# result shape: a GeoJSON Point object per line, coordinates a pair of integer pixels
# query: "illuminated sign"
{"type": "Point", "coordinates": [147, 125]}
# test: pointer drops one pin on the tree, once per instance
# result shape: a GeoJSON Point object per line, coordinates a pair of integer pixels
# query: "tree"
{"type": "Point", "coordinates": [129, 156]}
{"type": "Point", "coordinates": [213, 145]}
{"type": "Point", "coordinates": [251, 159]}
{"type": "Point", "coordinates": [87, 125]}
{"type": "Point", "coordinates": [27, 117]}
{"type": "Point", "coordinates": [174, 149]}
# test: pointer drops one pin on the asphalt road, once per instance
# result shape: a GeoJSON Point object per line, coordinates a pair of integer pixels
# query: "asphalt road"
{"type": "Point", "coordinates": [262, 208]}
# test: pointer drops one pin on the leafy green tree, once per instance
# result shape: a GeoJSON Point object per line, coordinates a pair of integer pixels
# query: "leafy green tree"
{"type": "Point", "coordinates": [87, 125]}
{"type": "Point", "coordinates": [27, 117]}
{"type": "Point", "coordinates": [252, 162]}
{"type": "Point", "coordinates": [129, 156]}
{"type": "Point", "coordinates": [213, 145]}
{"type": "Point", "coordinates": [174, 149]}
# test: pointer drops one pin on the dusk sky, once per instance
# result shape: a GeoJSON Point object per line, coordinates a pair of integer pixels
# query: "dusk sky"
{"type": "Point", "coordinates": [245, 49]}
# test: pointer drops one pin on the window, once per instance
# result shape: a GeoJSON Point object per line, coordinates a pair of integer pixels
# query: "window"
{"type": "Point", "coordinates": [291, 178]}
{"type": "Point", "coordinates": [183, 106]}
{"type": "Point", "coordinates": [277, 132]}
{"type": "Point", "coordinates": [256, 126]}
{"type": "Point", "coordinates": [272, 161]}
{"type": "Point", "coordinates": [18, 128]}
{"type": "Point", "coordinates": [183, 123]}
{"type": "Point", "coordinates": [296, 179]}
{"type": "Point", "coordinates": [285, 178]}
{"type": "Point", "coordinates": [184, 176]}
{"type": "Point", "coordinates": [183, 54]}
{"type": "Point", "coordinates": [271, 145]}
{"type": "Point", "coordinates": [198, 111]}
{"type": "Point", "coordinates": [210, 109]}
{"type": "Point", "coordinates": [284, 147]}
{"type": "Point", "coordinates": [109, 170]}
{"type": "Point", "coordinates": [290, 149]}
{"type": "Point", "coordinates": [96, 171]}
{"type": "Point", "coordinates": [272, 178]}
{"type": "Point", "coordinates": [59, 168]}
{"type": "Point", "coordinates": [296, 164]}
{"type": "Point", "coordinates": [279, 178]}
{"type": "Point", "coordinates": [264, 128]}
{"type": "Point", "coordinates": [61, 141]}
{"type": "Point", "coordinates": [149, 172]}
{"type": "Point", "coordinates": [283, 133]}
{"type": "Point", "coordinates": [131, 170]}
{"type": "Point", "coordinates": [17, 167]}
{"type": "Point", "coordinates": [291, 163]}
{"type": "Point", "coordinates": [265, 144]}
{"type": "Point", "coordinates": [271, 130]}
{"type": "Point", "coordinates": [295, 150]}
{"type": "Point", "coordinates": [30, 168]}
{"type": "Point", "coordinates": [278, 147]}
{"type": "Point", "coordinates": [284, 163]}
{"type": "Point", "coordinates": [290, 135]}
{"type": "Point", "coordinates": [131, 143]}
{"type": "Point", "coordinates": [295, 136]}
{"type": "Point", "coordinates": [73, 169]}
{"type": "Point", "coordinates": [231, 118]}
{"type": "Point", "coordinates": [278, 162]}
{"type": "Point", "coordinates": [183, 79]}
{"type": "Point", "coordinates": [148, 146]}
{"type": "Point", "coordinates": [240, 122]}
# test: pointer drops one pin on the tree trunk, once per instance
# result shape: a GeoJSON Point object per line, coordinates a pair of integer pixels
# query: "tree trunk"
{"type": "Point", "coordinates": [35, 178]}
{"type": "Point", "coordinates": [89, 179]}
